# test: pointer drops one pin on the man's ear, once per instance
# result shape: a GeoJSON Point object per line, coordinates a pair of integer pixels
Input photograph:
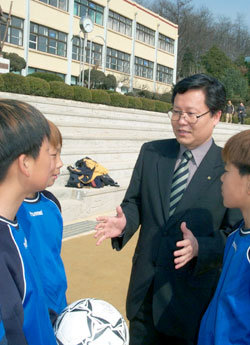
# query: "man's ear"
{"type": "Point", "coordinates": [24, 164]}
{"type": "Point", "coordinates": [217, 117]}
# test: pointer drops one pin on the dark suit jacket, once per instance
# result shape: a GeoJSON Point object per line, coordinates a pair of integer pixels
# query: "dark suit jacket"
{"type": "Point", "coordinates": [181, 296]}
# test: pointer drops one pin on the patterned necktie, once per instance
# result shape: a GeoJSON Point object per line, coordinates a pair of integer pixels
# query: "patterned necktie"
{"type": "Point", "coordinates": [179, 181]}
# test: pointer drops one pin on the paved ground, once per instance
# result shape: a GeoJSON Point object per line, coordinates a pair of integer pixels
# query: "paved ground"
{"type": "Point", "coordinates": [98, 272]}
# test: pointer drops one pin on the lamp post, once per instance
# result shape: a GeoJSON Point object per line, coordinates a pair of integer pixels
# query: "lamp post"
{"type": "Point", "coordinates": [82, 58]}
{"type": "Point", "coordinates": [86, 25]}
{"type": "Point", "coordinates": [90, 55]}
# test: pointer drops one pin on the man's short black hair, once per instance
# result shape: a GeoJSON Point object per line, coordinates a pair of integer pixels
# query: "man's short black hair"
{"type": "Point", "coordinates": [215, 93]}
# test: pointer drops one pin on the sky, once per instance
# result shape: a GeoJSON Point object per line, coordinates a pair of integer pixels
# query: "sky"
{"type": "Point", "coordinates": [227, 8]}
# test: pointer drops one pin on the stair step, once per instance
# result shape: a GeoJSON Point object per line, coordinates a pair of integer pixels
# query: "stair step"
{"type": "Point", "coordinates": [92, 202]}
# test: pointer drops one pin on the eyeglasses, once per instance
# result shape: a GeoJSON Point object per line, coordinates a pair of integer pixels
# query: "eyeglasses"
{"type": "Point", "coordinates": [175, 115]}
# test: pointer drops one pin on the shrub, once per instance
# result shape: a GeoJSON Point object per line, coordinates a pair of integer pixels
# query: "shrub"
{"type": "Point", "coordinates": [82, 94]}
{"type": "Point", "coordinates": [162, 107]}
{"type": "Point", "coordinates": [118, 100]}
{"type": "Point", "coordinates": [235, 118]}
{"type": "Point", "coordinates": [110, 91]}
{"type": "Point", "coordinates": [147, 104]}
{"type": "Point", "coordinates": [223, 117]}
{"type": "Point", "coordinates": [156, 96]}
{"type": "Point", "coordinates": [166, 97]}
{"type": "Point", "coordinates": [96, 78]}
{"type": "Point", "coordinates": [131, 93]}
{"type": "Point", "coordinates": [61, 90]}
{"type": "Point", "coordinates": [1, 83]}
{"type": "Point", "coordinates": [134, 102]}
{"type": "Point", "coordinates": [100, 96]}
{"type": "Point", "coordinates": [46, 76]}
{"type": "Point", "coordinates": [15, 83]}
{"type": "Point", "coordinates": [109, 82]}
{"type": "Point", "coordinates": [17, 63]}
{"type": "Point", "coordinates": [246, 121]}
{"type": "Point", "coordinates": [145, 93]}
{"type": "Point", "coordinates": [38, 87]}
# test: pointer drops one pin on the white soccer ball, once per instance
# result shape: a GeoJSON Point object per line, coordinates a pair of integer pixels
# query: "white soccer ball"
{"type": "Point", "coordinates": [91, 321]}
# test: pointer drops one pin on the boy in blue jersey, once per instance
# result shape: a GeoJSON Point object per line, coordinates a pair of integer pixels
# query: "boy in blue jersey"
{"type": "Point", "coordinates": [226, 320]}
{"type": "Point", "coordinates": [25, 167]}
{"type": "Point", "coordinates": [40, 216]}
{"type": "Point", "coordinates": [3, 340]}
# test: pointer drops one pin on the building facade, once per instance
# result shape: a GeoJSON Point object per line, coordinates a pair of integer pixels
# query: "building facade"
{"type": "Point", "coordinates": [129, 41]}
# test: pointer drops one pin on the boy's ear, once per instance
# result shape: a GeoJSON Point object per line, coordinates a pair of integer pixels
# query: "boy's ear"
{"type": "Point", "coordinates": [248, 184]}
{"type": "Point", "coordinates": [24, 164]}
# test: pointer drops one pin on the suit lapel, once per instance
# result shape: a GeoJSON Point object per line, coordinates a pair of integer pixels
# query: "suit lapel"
{"type": "Point", "coordinates": [204, 176]}
{"type": "Point", "coordinates": [166, 165]}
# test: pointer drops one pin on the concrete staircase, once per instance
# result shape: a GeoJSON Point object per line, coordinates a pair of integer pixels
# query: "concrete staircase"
{"type": "Point", "coordinates": [111, 136]}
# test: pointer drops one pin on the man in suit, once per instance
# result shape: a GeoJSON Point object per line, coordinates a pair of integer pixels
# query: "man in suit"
{"type": "Point", "coordinates": [178, 256]}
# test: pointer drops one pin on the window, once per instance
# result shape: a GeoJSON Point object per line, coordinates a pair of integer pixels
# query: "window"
{"type": "Point", "coordinates": [166, 43]}
{"type": "Point", "coordinates": [47, 40]}
{"type": "Point", "coordinates": [118, 60]}
{"type": "Point", "coordinates": [76, 48]}
{"type": "Point", "coordinates": [86, 7]}
{"type": "Point", "coordinates": [62, 4]}
{"type": "Point", "coordinates": [145, 34]}
{"type": "Point", "coordinates": [15, 31]}
{"type": "Point", "coordinates": [119, 23]}
{"type": "Point", "coordinates": [96, 51]}
{"type": "Point", "coordinates": [144, 68]}
{"type": "Point", "coordinates": [164, 74]}
{"type": "Point", "coordinates": [74, 80]}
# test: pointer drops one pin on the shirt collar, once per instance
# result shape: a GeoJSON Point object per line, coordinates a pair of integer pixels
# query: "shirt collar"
{"type": "Point", "coordinates": [13, 223]}
{"type": "Point", "coordinates": [34, 199]}
{"type": "Point", "coordinates": [199, 152]}
{"type": "Point", "coordinates": [242, 229]}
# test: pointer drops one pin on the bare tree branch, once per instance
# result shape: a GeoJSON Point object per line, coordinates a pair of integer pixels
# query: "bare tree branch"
{"type": "Point", "coordinates": [7, 21]}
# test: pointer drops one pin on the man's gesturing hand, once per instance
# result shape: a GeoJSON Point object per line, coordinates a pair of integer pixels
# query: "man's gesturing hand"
{"type": "Point", "coordinates": [189, 250]}
{"type": "Point", "coordinates": [110, 227]}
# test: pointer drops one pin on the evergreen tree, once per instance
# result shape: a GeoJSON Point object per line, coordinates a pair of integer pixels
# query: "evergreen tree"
{"type": "Point", "coordinates": [236, 85]}
{"type": "Point", "coordinates": [188, 64]}
{"type": "Point", "coordinates": [216, 62]}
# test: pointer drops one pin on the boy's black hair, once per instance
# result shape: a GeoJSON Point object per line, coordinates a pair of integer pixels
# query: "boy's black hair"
{"type": "Point", "coordinates": [214, 90]}
{"type": "Point", "coordinates": [22, 131]}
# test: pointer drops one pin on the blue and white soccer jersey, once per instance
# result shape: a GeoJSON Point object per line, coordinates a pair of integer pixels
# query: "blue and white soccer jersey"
{"type": "Point", "coordinates": [3, 340]}
{"type": "Point", "coordinates": [24, 311]}
{"type": "Point", "coordinates": [226, 320]}
{"type": "Point", "coordinates": [42, 222]}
